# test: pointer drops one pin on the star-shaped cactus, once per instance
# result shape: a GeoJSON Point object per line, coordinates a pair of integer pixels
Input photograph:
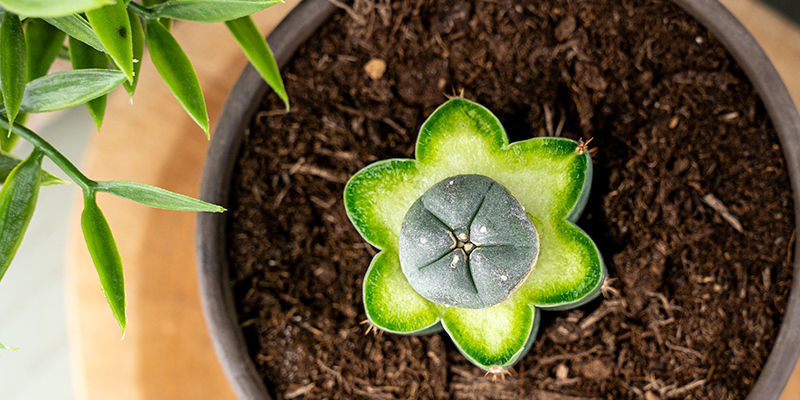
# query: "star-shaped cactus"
{"type": "Point", "coordinates": [476, 234]}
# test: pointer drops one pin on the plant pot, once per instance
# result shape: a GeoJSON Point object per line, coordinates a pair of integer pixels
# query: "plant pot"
{"type": "Point", "coordinates": [218, 302]}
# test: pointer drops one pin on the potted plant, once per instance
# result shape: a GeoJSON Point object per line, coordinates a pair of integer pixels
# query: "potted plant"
{"type": "Point", "coordinates": [104, 41]}
{"type": "Point", "coordinates": [667, 107]}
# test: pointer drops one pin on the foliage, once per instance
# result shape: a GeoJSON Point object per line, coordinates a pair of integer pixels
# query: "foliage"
{"type": "Point", "coordinates": [105, 42]}
{"type": "Point", "coordinates": [457, 251]}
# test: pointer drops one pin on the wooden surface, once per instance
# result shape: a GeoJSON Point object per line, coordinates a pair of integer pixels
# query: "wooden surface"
{"type": "Point", "coordinates": [167, 353]}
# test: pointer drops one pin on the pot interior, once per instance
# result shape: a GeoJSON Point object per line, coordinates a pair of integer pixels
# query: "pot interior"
{"type": "Point", "coordinates": [691, 202]}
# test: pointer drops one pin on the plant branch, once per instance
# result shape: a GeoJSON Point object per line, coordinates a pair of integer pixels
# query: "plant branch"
{"type": "Point", "coordinates": [62, 162]}
{"type": "Point", "coordinates": [141, 11]}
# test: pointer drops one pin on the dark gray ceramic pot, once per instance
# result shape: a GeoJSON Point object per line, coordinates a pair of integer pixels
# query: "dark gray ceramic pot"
{"type": "Point", "coordinates": [215, 288]}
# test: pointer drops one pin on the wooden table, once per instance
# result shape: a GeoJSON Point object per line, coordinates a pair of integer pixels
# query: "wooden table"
{"type": "Point", "coordinates": [167, 353]}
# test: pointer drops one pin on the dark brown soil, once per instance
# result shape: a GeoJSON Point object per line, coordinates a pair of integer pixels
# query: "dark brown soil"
{"type": "Point", "coordinates": [678, 131]}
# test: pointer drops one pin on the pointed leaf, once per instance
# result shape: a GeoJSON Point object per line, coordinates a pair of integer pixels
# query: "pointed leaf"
{"type": "Point", "coordinates": [156, 197]}
{"type": "Point", "coordinates": [105, 256]}
{"type": "Point", "coordinates": [44, 42]}
{"type": "Point", "coordinates": [17, 202]}
{"type": "Point", "coordinates": [50, 8]}
{"type": "Point", "coordinates": [259, 54]}
{"type": "Point", "coordinates": [210, 10]}
{"type": "Point", "coordinates": [9, 162]}
{"type": "Point", "coordinates": [66, 89]}
{"type": "Point", "coordinates": [175, 68]}
{"type": "Point", "coordinates": [77, 27]}
{"type": "Point", "coordinates": [137, 37]}
{"type": "Point", "coordinates": [85, 57]}
{"type": "Point", "coordinates": [113, 28]}
{"type": "Point", "coordinates": [13, 72]}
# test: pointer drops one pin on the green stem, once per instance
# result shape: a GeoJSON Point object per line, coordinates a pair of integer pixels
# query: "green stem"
{"type": "Point", "coordinates": [141, 11]}
{"type": "Point", "coordinates": [62, 162]}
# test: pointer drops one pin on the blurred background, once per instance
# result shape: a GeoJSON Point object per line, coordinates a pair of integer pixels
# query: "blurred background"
{"type": "Point", "coordinates": [54, 312]}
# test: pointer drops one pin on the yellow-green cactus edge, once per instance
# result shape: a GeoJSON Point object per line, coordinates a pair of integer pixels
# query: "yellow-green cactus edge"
{"type": "Point", "coordinates": [549, 176]}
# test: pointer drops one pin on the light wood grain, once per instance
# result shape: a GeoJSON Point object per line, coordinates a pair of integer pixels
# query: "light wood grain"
{"type": "Point", "coordinates": [167, 353]}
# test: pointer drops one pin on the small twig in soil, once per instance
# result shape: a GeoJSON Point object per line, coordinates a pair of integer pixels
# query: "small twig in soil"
{"type": "Point", "coordinates": [336, 374]}
{"type": "Point", "coordinates": [559, 357]}
{"type": "Point", "coordinates": [297, 392]}
{"type": "Point", "coordinates": [668, 307]}
{"type": "Point", "coordinates": [720, 208]}
{"type": "Point", "coordinates": [548, 119]}
{"type": "Point", "coordinates": [440, 42]}
{"type": "Point", "coordinates": [679, 392]}
{"type": "Point", "coordinates": [354, 15]}
{"type": "Point", "coordinates": [686, 350]}
{"type": "Point", "coordinates": [462, 372]}
{"type": "Point", "coordinates": [394, 125]}
{"type": "Point", "coordinates": [560, 128]}
{"type": "Point", "coordinates": [605, 309]}
{"type": "Point", "coordinates": [633, 389]}
{"type": "Point", "coordinates": [308, 327]}
{"type": "Point", "coordinates": [300, 168]}
{"type": "Point", "coordinates": [322, 203]}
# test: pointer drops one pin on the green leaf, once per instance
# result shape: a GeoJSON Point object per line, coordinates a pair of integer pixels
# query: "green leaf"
{"type": "Point", "coordinates": [175, 68]}
{"type": "Point", "coordinates": [8, 162]}
{"type": "Point", "coordinates": [17, 202]}
{"type": "Point", "coordinates": [137, 37]}
{"type": "Point", "coordinates": [13, 71]}
{"type": "Point", "coordinates": [66, 89]}
{"type": "Point", "coordinates": [50, 8]}
{"type": "Point", "coordinates": [113, 28]}
{"type": "Point", "coordinates": [77, 27]}
{"type": "Point", "coordinates": [259, 54]}
{"type": "Point", "coordinates": [156, 197]}
{"type": "Point", "coordinates": [85, 57]}
{"type": "Point", "coordinates": [44, 42]}
{"type": "Point", "coordinates": [210, 10]}
{"type": "Point", "coordinates": [105, 256]}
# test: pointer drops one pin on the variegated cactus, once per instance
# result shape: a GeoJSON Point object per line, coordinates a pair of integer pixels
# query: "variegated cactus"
{"type": "Point", "coordinates": [476, 234]}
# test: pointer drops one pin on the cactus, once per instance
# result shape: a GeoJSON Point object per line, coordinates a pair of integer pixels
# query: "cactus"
{"type": "Point", "coordinates": [467, 243]}
{"type": "Point", "coordinates": [476, 234]}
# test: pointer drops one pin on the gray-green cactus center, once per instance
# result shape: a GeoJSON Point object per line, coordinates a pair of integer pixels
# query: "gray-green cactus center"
{"type": "Point", "coordinates": [467, 242]}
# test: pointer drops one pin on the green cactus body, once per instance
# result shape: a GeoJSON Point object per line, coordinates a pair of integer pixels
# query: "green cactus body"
{"type": "Point", "coordinates": [467, 243]}
{"type": "Point", "coordinates": [548, 261]}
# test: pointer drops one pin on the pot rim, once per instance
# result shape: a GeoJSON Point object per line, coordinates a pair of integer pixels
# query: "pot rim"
{"type": "Point", "coordinates": [297, 27]}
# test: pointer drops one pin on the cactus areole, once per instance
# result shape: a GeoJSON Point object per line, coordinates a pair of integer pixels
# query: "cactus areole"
{"type": "Point", "coordinates": [466, 242]}
{"type": "Point", "coordinates": [476, 234]}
